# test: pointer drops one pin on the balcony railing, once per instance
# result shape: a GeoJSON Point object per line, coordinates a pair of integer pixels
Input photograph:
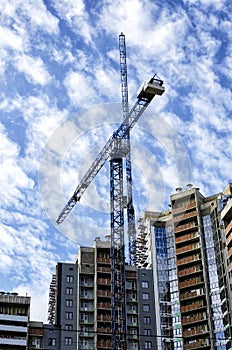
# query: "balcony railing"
{"type": "Point", "coordinates": [104, 345]}
{"type": "Point", "coordinates": [103, 260]}
{"type": "Point", "coordinates": [189, 271]}
{"type": "Point", "coordinates": [185, 216]}
{"type": "Point", "coordinates": [184, 207]}
{"type": "Point", "coordinates": [191, 282]}
{"type": "Point", "coordinates": [188, 226]}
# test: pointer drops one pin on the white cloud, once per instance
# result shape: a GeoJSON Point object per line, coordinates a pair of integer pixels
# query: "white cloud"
{"type": "Point", "coordinates": [33, 68]}
{"type": "Point", "coordinates": [12, 176]}
{"type": "Point", "coordinates": [80, 88]}
{"type": "Point", "coordinates": [10, 39]}
{"type": "Point", "coordinates": [76, 16]}
{"type": "Point", "coordinates": [218, 4]}
{"type": "Point", "coordinates": [32, 13]}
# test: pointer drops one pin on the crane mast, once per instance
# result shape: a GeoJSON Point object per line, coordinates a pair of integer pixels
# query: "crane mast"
{"type": "Point", "coordinates": [116, 149]}
{"type": "Point", "coordinates": [131, 233]}
{"type": "Point", "coordinates": [118, 277]}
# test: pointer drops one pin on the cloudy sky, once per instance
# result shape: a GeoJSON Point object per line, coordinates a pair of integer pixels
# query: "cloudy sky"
{"type": "Point", "coordinates": [60, 101]}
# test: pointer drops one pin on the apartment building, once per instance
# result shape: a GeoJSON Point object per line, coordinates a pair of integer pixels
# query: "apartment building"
{"type": "Point", "coordinates": [80, 317]}
{"type": "Point", "coordinates": [14, 320]}
{"type": "Point", "coordinates": [188, 250]}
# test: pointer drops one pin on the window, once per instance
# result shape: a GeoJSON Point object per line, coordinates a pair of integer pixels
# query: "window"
{"type": "Point", "coordinates": [84, 329]}
{"type": "Point", "coordinates": [69, 290]}
{"type": "Point", "coordinates": [69, 302]}
{"type": "Point", "coordinates": [147, 344]}
{"type": "Point", "coordinates": [69, 315]}
{"type": "Point", "coordinates": [133, 331]}
{"type": "Point", "coordinates": [147, 332]}
{"type": "Point", "coordinates": [144, 284]}
{"type": "Point", "coordinates": [52, 341]}
{"type": "Point", "coordinates": [68, 327]}
{"type": "Point", "coordinates": [68, 341]}
{"type": "Point", "coordinates": [146, 307]}
{"type": "Point", "coordinates": [84, 305]}
{"type": "Point", "coordinates": [146, 320]}
{"type": "Point", "coordinates": [132, 296]}
{"type": "Point", "coordinates": [84, 293]}
{"type": "Point", "coordinates": [84, 281]}
{"type": "Point", "coordinates": [133, 320]}
{"type": "Point", "coordinates": [84, 318]}
{"type": "Point", "coordinates": [145, 296]}
{"type": "Point", "coordinates": [69, 279]}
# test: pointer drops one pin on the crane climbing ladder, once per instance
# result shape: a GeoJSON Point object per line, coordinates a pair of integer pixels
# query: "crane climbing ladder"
{"type": "Point", "coordinates": [115, 149]}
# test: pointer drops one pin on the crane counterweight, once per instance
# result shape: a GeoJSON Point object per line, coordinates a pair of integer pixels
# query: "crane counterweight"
{"type": "Point", "coordinates": [150, 89]}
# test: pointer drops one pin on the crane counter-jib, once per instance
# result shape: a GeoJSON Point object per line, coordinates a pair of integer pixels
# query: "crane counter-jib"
{"type": "Point", "coordinates": [114, 144]}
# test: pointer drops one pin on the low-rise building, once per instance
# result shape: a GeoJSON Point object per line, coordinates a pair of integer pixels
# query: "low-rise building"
{"type": "Point", "coordinates": [14, 321]}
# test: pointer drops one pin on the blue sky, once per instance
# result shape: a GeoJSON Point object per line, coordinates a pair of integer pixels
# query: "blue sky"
{"type": "Point", "coordinates": [60, 101]}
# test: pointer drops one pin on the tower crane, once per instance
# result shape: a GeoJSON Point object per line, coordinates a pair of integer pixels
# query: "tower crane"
{"type": "Point", "coordinates": [116, 149]}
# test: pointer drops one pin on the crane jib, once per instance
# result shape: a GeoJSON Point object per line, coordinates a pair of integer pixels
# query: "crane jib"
{"type": "Point", "coordinates": [145, 96]}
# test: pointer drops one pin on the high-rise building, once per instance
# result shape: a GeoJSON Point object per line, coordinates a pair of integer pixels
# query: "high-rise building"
{"type": "Point", "coordinates": [188, 251]}
{"type": "Point", "coordinates": [61, 332]}
{"type": "Point", "coordinates": [14, 320]}
{"type": "Point", "coordinates": [80, 304]}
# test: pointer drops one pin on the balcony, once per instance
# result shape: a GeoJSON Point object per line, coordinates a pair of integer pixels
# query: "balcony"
{"type": "Point", "coordinates": [191, 295]}
{"type": "Point", "coordinates": [104, 318]}
{"type": "Point", "coordinates": [191, 237]}
{"type": "Point", "coordinates": [104, 345]}
{"type": "Point", "coordinates": [193, 270]}
{"type": "Point", "coordinates": [191, 282]}
{"type": "Point", "coordinates": [104, 331]}
{"type": "Point", "coordinates": [87, 334]}
{"type": "Point", "coordinates": [14, 318]}
{"type": "Point", "coordinates": [185, 216]}
{"type": "Point", "coordinates": [104, 293]}
{"type": "Point", "coordinates": [13, 341]}
{"type": "Point", "coordinates": [86, 322]}
{"type": "Point", "coordinates": [192, 259]}
{"type": "Point", "coordinates": [104, 306]}
{"type": "Point", "coordinates": [187, 227]}
{"type": "Point", "coordinates": [202, 344]}
{"type": "Point", "coordinates": [184, 208]}
{"type": "Point", "coordinates": [198, 331]}
{"type": "Point", "coordinates": [188, 248]}
{"type": "Point", "coordinates": [132, 311]}
{"type": "Point", "coordinates": [198, 318]}
{"type": "Point", "coordinates": [13, 328]}
{"type": "Point", "coordinates": [86, 296]}
{"type": "Point", "coordinates": [105, 281]}
{"type": "Point", "coordinates": [86, 347]}
{"type": "Point", "coordinates": [103, 260]}
{"type": "Point", "coordinates": [192, 307]}
{"type": "Point", "coordinates": [88, 284]}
